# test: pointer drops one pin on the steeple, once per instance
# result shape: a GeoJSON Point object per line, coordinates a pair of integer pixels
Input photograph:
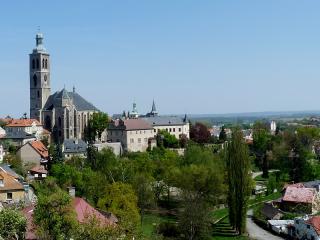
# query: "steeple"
{"type": "Point", "coordinates": [153, 112]}
{"type": "Point", "coordinates": [40, 89]}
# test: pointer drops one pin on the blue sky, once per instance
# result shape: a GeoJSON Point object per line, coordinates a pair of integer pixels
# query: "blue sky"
{"type": "Point", "coordinates": [190, 56]}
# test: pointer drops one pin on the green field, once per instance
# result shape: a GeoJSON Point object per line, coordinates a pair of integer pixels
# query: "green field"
{"type": "Point", "coordinates": [151, 221]}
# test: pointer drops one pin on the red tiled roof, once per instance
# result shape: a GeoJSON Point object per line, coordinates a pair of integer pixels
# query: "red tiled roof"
{"type": "Point", "coordinates": [30, 231]}
{"type": "Point", "coordinates": [84, 211]}
{"type": "Point", "coordinates": [6, 120]}
{"type": "Point", "coordinates": [39, 169]}
{"type": "Point", "coordinates": [297, 194]}
{"type": "Point", "coordinates": [133, 124]}
{"type": "Point", "coordinates": [22, 123]}
{"type": "Point", "coordinates": [315, 223]}
{"type": "Point", "coordinates": [40, 148]}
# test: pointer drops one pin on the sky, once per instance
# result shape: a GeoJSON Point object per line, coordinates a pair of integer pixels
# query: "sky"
{"type": "Point", "coordinates": [194, 57]}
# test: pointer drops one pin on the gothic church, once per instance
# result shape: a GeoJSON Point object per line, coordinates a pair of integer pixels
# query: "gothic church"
{"type": "Point", "coordinates": [63, 113]}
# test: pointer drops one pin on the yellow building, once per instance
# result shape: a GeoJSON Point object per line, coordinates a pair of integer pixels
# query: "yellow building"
{"type": "Point", "coordinates": [10, 188]}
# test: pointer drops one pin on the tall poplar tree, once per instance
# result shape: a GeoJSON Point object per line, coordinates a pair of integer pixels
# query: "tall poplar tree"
{"type": "Point", "coordinates": [239, 180]}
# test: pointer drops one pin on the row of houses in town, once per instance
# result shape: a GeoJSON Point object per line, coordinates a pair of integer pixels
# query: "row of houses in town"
{"type": "Point", "coordinates": [301, 199]}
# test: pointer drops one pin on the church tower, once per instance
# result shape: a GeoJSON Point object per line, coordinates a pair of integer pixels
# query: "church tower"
{"type": "Point", "coordinates": [39, 78]}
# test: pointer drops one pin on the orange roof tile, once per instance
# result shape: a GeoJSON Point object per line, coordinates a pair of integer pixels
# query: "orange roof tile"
{"type": "Point", "coordinates": [315, 223]}
{"type": "Point", "coordinates": [40, 148]}
{"type": "Point", "coordinates": [22, 123]}
{"type": "Point", "coordinates": [10, 183]}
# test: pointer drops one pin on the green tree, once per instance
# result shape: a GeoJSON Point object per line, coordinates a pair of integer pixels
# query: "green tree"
{"type": "Point", "coordinates": [239, 180]}
{"type": "Point", "coordinates": [120, 199]}
{"type": "Point", "coordinates": [223, 135]}
{"type": "Point", "coordinates": [167, 140]}
{"type": "Point", "coordinates": [142, 184]}
{"type": "Point", "coordinates": [53, 215]}
{"type": "Point", "coordinates": [261, 144]}
{"type": "Point", "coordinates": [12, 224]}
{"type": "Point", "coordinates": [97, 123]}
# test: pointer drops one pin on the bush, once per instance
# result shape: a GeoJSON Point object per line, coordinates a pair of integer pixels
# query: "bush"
{"type": "Point", "coordinates": [168, 229]}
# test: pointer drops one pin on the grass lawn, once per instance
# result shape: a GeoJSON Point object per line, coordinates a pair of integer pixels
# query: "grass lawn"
{"type": "Point", "coordinates": [223, 230]}
{"type": "Point", "coordinates": [220, 213]}
{"type": "Point", "coordinates": [151, 220]}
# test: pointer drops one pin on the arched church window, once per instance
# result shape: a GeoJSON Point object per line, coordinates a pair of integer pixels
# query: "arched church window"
{"type": "Point", "coordinates": [46, 64]}
{"type": "Point", "coordinates": [33, 64]}
{"type": "Point", "coordinates": [38, 93]}
{"type": "Point", "coordinates": [35, 80]}
{"type": "Point", "coordinates": [37, 63]}
{"type": "Point", "coordinates": [45, 78]}
{"type": "Point", "coordinates": [42, 63]}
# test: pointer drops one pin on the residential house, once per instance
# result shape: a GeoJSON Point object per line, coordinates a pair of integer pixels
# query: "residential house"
{"type": "Point", "coordinates": [306, 228]}
{"type": "Point", "coordinates": [301, 200]}
{"type": "Point", "coordinates": [174, 125]}
{"type": "Point", "coordinates": [10, 187]}
{"type": "Point", "coordinates": [38, 173]}
{"type": "Point", "coordinates": [29, 126]}
{"type": "Point", "coordinates": [271, 212]}
{"type": "Point", "coordinates": [280, 226]}
{"type": "Point", "coordinates": [84, 211]}
{"type": "Point", "coordinates": [74, 147]}
{"type": "Point", "coordinates": [33, 153]}
{"type": "Point", "coordinates": [134, 134]}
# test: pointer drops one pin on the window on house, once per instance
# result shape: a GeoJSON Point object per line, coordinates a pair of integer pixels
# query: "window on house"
{"type": "Point", "coordinates": [308, 226]}
{"type": "Point", "coordinates": [155, 130]}
{"type": "Point", "coordinates": [179, 129]}
{"type": "Point", "coordinates": [1, 183]}
{"type": "Point", "coordinates": [131, 140]}
{"type": "Point", "coordinates": [174, 129]}
{"type": "Point", "coordinates": [9, 196]}
{"type": "Point", "coordinates": [139, 140]}
{"type": "Point", "coordinates": [170, 129]}
{"type": "Point", "coordinates": [145, 140]}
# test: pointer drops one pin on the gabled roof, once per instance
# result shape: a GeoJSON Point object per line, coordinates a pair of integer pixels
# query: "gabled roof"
{"type": "Point", "coordinates": [299, 195]}
{"type": "Point", "coordinates": [84, 211]}
{"type": "Point", "coordinates": [315, 223]}
{"type": "Point", "coordinates": [39, 169]}
{"type": "Point", "coordinates": [164, 121]}
{"type": "Point", "coordinates": [131, 124]}
{"type": "Point", "coordinates": [8, 170]}
{"type": "Point", "coordinates": [55, 100]}
{"type": "Point", "coordinates": [74, 146]}
{"type": "Point", "coordinates": [10, 183]}
{"type": "Point", "coordinates": [23, 123]}
{"type": "Point", "coordinates": [40, 148]}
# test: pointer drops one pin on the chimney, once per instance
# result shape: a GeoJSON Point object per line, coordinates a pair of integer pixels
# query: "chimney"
{"type": "Point", "coordinates": [72, 191]}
